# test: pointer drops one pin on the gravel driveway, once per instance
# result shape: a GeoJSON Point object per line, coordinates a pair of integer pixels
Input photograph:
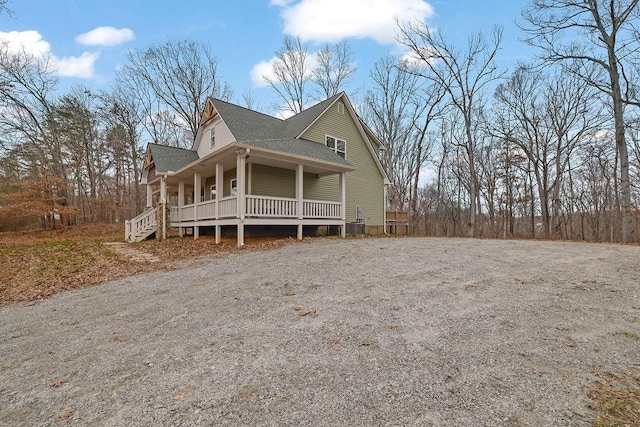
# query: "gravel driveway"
{"type": "Point", "coordinates": [389, 331]}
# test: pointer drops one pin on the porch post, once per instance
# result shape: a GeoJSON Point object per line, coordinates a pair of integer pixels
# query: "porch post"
{"type": "Point", "coordinates": [197, 179]}
{"type": "Point", "coordinates": [219, 188]}
{"type": "Point", "coordinates": [343, 203]}
{"type": "Point", "coordinates": [300, 197]}
{"type": "Point", "coordinates": [163, 204]}
{"type": "Point", "coordinates": [240, 178]}
{"type": "Point", "coordinates": [180, 204]}
{"type": "Point", "coordinates": [219, 193]}
{"type": "Point", "coordinates": [149, 196]}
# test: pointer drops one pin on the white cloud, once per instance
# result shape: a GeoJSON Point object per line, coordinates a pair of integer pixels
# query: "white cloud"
{"type": "Point", "coordinates": [73, 66]}
{"type": "Point", "coordinates": [106, 36]}
{"type": "Point", "coordinates": [334, 20]}
{"type": "Point", "coordinates": [261, 70]}
{"type": "Point", "coordinates": [412, 59]}
{"type": "Point", "coordinates": [265, 69]}
{"type": "Point", "coordinates": [280, 2]}
{"type": "Point", "coordinates": [29, 41]}
{"type": "Point", "coordinates": [32, 43]}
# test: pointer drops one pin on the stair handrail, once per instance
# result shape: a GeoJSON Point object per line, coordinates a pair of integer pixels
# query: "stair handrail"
{"type": "Point", "coordinates": [133, 226]}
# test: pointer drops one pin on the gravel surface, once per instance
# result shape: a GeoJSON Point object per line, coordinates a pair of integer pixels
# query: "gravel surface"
{"type": "Point", "coordinates": [395, 331]}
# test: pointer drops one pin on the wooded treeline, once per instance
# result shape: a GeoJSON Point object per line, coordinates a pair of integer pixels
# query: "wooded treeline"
{"type": "Point", "coordinates": [548, 149]}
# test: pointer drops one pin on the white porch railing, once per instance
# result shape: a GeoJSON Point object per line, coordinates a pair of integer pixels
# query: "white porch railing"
{"type": "Point", "coordinates": [265, 206]}
{"type": "Point", "coordinates": [228, 207]}
{"type": "Point", "coordinates": [258, 206]}
{"type": "Point", "coordinates": [141, 226]}
{"type": "Point", "coordinates": [321, 209]}
{"type": "Point", "coordinates": [207, 210]}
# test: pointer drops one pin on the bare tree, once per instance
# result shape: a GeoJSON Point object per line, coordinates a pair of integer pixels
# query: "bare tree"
{"type": "Point", "coordinates": [4, 8]}
{"type": "Point", "coordinates": [180, 74]}
{"type": "Point", "coordinates": [463, 75]}
{"type": "Point", "coordinates": [546, 117]}
{"type": "Point", "coordinates": [27, 98]}
{"type": "Point", "coordinates": [291, 74]}
{"type": "Point", "coordinates": [586, 34]}
{"type": "Point", "coordinates": [391, 111]}
{"type": "Point", "coordinates": [123, 116]}
{"type": "Point", "coordinates": [335, 67]}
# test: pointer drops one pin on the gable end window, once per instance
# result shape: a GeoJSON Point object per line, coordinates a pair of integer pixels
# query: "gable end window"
{"type": "Point", "coordinates": [337, 145]}
{"type": "Point", "coordinates": [213, 137]}
{"type": "Point", "coordinates": [340, 108]}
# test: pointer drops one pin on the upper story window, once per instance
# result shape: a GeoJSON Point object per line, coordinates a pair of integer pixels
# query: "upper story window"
{"type": "Point", "coordinates": [337, 145]}
{"type": "Point", "coordinates": [213, 137]}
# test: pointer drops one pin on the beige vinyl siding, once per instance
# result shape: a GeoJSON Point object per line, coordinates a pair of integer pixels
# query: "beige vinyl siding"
{"type": "Point", "coordinates": [223, 137]}
{"type": "Point", "coordinates": [365, 184]}
{"type": "Point", "coordinates": [271, 181]}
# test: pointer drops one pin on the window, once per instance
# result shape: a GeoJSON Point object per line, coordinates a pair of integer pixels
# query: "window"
{"type": "Point", "coordinates": [213, 192]}
{"type": "Point", "coordinates": [233, 187]}
{"type": "Point", "coordinates": [337, 145]}
{"type": "Point", "coordinates": [213, 137]}
{"type": "Point", "coordinates": [340, 108]}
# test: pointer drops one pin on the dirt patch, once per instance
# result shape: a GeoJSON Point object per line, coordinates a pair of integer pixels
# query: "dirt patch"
{"type": "Point", "coordinates": [335, 332]}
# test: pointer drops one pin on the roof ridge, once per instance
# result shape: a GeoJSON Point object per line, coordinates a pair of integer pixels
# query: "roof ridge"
{"type": "Point", "coordinates": [170, 146]}
{"type": "Point", "coordinates": [246, 108]}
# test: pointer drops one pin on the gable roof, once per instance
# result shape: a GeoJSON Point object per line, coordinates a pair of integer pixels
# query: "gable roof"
{"type": "Point", "coordinates": [301, 121]}
{"type": "Point", "coordinates": [168, 158]}
{"type": "Point", "coordinates": [248, 125]}
{"type": "Point", "coordinates": [252, 128]}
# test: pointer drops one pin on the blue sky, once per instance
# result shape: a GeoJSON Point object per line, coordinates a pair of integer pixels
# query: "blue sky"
{"type": "Point", "coordinates": [89, 38]}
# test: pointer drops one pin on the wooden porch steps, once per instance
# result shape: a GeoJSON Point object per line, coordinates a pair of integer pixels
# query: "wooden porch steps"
{"type": "Point", "coordinates": [143, 233]}
{"type": "Point", "coordinates": [140, 227]}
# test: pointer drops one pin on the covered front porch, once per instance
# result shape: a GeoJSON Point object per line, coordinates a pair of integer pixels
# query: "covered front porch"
{"type": "Point", "coordinates": [247, 186]}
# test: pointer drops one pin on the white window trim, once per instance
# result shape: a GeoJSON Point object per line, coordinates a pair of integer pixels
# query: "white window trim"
{"type": "Point", "coordinates": [212, 136]}
{"type": "Point", "coordinates": [335, 149]}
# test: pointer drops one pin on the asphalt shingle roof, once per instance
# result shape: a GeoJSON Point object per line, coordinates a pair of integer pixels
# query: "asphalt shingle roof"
{"type": "Point", "coordinates": [301, 147]}
{"type": "Point", "coordinates": [264, 131]}
{"type": "Point", "coordinates": [171, 158]}
{"type": "Point", "coordinates": [248, 125]}
{"type": "Point", "coordinates": [258, 130]}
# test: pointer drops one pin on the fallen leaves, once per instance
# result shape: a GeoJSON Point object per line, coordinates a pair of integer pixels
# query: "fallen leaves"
{"type": "Point", "coordinates": [181, 397]}
{"type": "Point", "coordinates": [58, 382]}
{"type": "Point", "coordinates": [312, 314]}
{"type": "Point", "coordinates": [37, 264]}
{"type": "Point", "coordinates": [288, 293]}
{"type": "Point", "coordinates": [66, 414]}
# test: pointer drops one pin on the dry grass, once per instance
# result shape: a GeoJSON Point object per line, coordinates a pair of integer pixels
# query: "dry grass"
{"type": "Point", "coordinates": [616, 399]}
{"type": "Point", "coordinates": [38, 264]}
